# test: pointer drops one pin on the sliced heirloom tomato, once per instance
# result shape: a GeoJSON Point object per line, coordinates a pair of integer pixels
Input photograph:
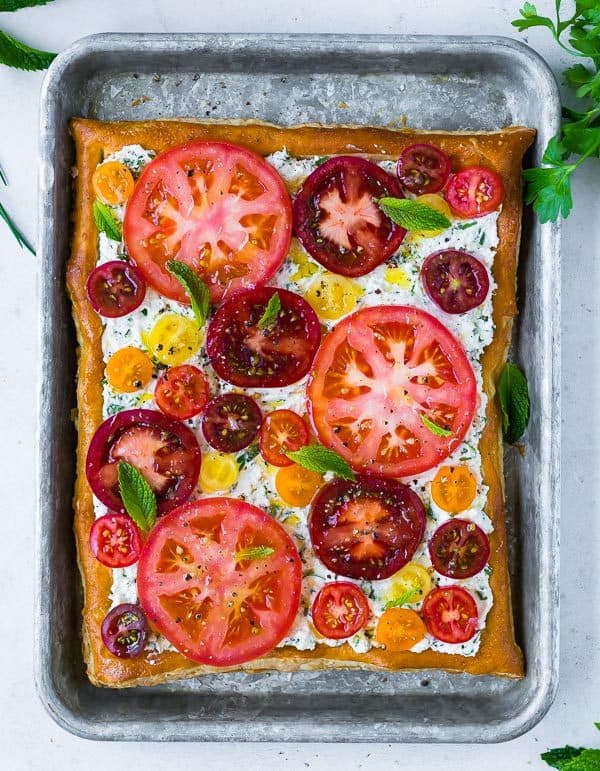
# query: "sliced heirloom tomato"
{"type": "Point", "coordinates": [125, 631]}
{"type": "Point", "coordinates": [115, 540]}
{"type": "Point", "coordinates": [376, 375]}
{"type": "Point", "coordinates": [459, 549]}
{"type": "Point", "coordinates": [181, 392]}
{"type": "Point", "coordinates": [450, 614]}
{"type": "Point", "coordinates": [163, 450]}
{"type": "Point", "coordinates": [246, 355]}
{"type": "Point", "coordinates": [115, 289]}
{"type": "Point", "coordinates": [366, 529]}
{"type": "Point", "coordinates": [219, 208]}
{"type": "Point", "coordinates": [423, 168]}
{"type": "Point", "coordinates": [202, 590]}
{"type": "Point", "coordinates": [282, 431]}
{"type": "Point", "coordinates": [456, 281]}
{"type": "Point", "coordinates": [340, 610]}
{"type": "Point", "coordinates": [338, 221]}
{"type": "Point", "coordinates": [231, 421]}
{"type": "Point", "coordinates": [474, 192]}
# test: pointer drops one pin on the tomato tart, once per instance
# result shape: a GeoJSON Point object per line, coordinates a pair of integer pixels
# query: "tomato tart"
{"type": "Point", "coordinates": [290, 451]}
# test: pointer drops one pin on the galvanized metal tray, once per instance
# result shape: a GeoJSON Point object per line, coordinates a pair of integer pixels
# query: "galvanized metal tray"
{"type": "Point", "coordinates": [431, 82]}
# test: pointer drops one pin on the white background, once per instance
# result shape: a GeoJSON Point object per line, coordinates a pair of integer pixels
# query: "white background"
{"type": "Point", "coordinates": [28, 737]}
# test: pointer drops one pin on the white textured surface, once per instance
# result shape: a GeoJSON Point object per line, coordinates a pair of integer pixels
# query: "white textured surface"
{"type": "Point", "coordinates": [28, 738]}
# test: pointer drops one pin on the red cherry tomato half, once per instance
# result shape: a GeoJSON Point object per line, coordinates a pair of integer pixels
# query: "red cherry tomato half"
{"type": "Point", "coordinates": [456, 281]}
{"type": "Point", "coordinates": [338, 221]}
{"type": "Point", "coordinates": [214, 603]}
{"type": "Point", "coordinates": [474, 192]}
{"type": "Point", "coordinates": [163, 450]}
{"type": "Point", "coordinates": [115, 289]}
{"type": "Point", "coordinates": [366, 529]}
{"type": "Point", "coordinates": [219, 208]}
{"type": "Point", "coordinates": [115, 540]}
{"type": "Point", "coordinates": [181, 392]}
{"type": "Point", "coordinates": [423, 168]}
{"type": "Point", "coordinates": [124, 631]}
{"type": "Point", "coordinates": [340, 610]}
{"type": "Point", "coordinates": [231, 421]}
{"type": "Point", "coordinates": [282, 431]}
{"type": "Point", "coordinates": [374, 377]}
{"type": "Point", "coordinates": [450, 614]}
{"type": "Point", "coordinates": [459, 549]}
{"type": "Point", "coordinates": [277, 355]}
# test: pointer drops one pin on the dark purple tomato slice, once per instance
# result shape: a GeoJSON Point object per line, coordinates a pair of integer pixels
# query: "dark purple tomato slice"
{"type": "Point", "coordinates": [115, 289]}
{"type": "Point", "coordinates": [423, 168]}
{"type": "Point", "coordinates": [231, 421]}
{"type": "Point", "coordinates": [125, 630]}
{"type": "Point", "coordinates": [115, 540]}
{"type": "Point", "coordinates": [163, 450]}
{"type": "Point", "coordinates": [366, 529]}
{"type": "Point", "coordinates": [273, 356]}
{"type": "Point", "coordinates": [337, 220]}
{"type": "Point", "coordinates": [459, 549]}
{"type": "Point", "coordinates": [456, 281]}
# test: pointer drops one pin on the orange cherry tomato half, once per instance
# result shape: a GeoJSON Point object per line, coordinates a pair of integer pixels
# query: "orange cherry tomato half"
{"type": "Point", "coordinates": [129, 370]}
{"type": "Point", "coordinates": [282, 431]}
{"type": "Point", "coordinates": [297, 485]}
{"type": "Point", "coordinates": [340, 610]}
{"type": "Point", "coordinates": [113, 183]}
{"type": "Point", "coordinates": [181, 392]}
{"type": "Point", "coordinates": [454, 488]}
{"type": "Point", "coordinates": [399, 629]}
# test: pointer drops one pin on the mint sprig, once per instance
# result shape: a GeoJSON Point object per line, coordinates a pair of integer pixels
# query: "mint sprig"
{"type": "Point", "coordinates": [194, 287]}
{"type": "Point", "coordinates": [513, 393]}
{"type": "Point", "coordinates": [138, 497]}
{"type": "Point", "coordinates": [16, 5]}
{"type": "Point", "coordinates": [106, 221]}
{"type": "Point", "coordinates": [271, 312]}
{"type": "Point", "coordinates": [412, 215]}
{"type": "Point", "coordinates": [434, 428]}
{"type": "Point", "coordinates": [16, 54]}
{"type": "Point", "coordinates": [315, 457]}
{"type": "Point", "coordinates": [254, 553]}
{"type": "Point", "coordinates": [573, 758]}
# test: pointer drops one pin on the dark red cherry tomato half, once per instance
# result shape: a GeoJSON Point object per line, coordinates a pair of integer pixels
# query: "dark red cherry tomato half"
{"type": "Point", "coordinates": [163, 450]}
{"type": "Point", "coordinates": [366, 529]}
{"type": "Point", "coordinates": [474, 192]}
{"type": "Point", "coordinates": [181, 392]}
{"type": "Point", "coordinates": [338, 221]}
{"type": "Point", "coordinates": [450, 614]}
{"type": "Point", "coordinates": [340, 610]}
{"type": "Point", "coordinates": [423, 168]}
{"type": "Point", "coordinates": [456, 281]}
{"type": "Point", "coordinates": [459, 549]}
{"type": "Point", "coordinates": [279, 354]}
{"type": "Point", "coordinates": [231, 421]}
{"type": "Point", "coordinates": [125, 631]}
{"type": "Point", "coordinates": [282, 431]}
{"type": "Point", "coordinates": [115, 540]}
{"type": "Point", "coordinates": [115, 289]}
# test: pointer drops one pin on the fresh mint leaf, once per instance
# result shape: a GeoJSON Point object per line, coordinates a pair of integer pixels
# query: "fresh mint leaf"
{"type": "Point", "coordinates": [588, 760]}
{"type": "Point", "coordinates": [106, 222]}
{"type": "Point", "coordinates": [14, 53]}
{"type": "Point", "coordinates": [560, 756]}
{"type": "Point", "coordinates": [413, 215]}
{"type": "Point", "coordinates": [315, 457]}
{"type": "Point", "coordinates": [194, 287]}
{"type": "Point", "coordinates": [403, 599]}
{"type": "Point", "coordinates": [254, 553]}
{"type": "Point", "coordinates": [434, 428]}
{"type": "Point", "coordinates": [513, 393]}
{"type": "Point", "coordinates": [16, 5]}
{"type": "Point", "coordinates": [20, 238]}
{"type": "Point", "coordinates": [269, 317]}
{"type": "Point", "coordinates": [138, 497]}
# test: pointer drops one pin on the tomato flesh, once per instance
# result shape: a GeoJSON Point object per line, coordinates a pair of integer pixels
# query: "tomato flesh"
{"type": "Point", "coordinates": [456, 281]}
{"type": "Point", "coordinates": [423, 168]}
{"type": "Point", "coordinates": [474, 192]}
{"type": "Point", "coordinates": [459, 549]}
{"type": "Point", "coordinates": [337, 220]}
{"type": "Point", "coordinates": [125, 631]}
{"type": "Point", "coordinates": [213, 605]}
{"type": "Point", "coordinates": [181, 392]}
{"type": "Point", "coordinates": [282, 431]}
{"type": "Point", "coordinates": [277, 355]}
{"type": "Point", "coordinates": [115, 540]}
{"type": "Point", "coordinates": [115, 289]}
{"type": "Point", "coordinates": [450, 614]}
{"type": "Point", "coordinates": [375, 376]}
{"type": "Point", "coordinates": [163, 450]}
{"type": "Point", "coordinates": [231, 421]}
{"type": "Point", "coordinates": [217, 207]}
{"type": "Point", "coordinates": [366, 529]}
{"type": "Point", "coordinates": [340, 610]}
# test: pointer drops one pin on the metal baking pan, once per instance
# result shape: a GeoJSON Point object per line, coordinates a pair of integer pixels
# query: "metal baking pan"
{"type": "Point", "coordinates": [429, 82]}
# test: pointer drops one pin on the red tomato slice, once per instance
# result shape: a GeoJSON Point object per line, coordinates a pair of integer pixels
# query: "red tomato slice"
{"type": "Point", "coordinates": [366, 529]}
{"type": "Point", "coordinates": [474, 192]}
{"type": "Point", "coordinates": [450, 614]}
{"type": "Point", "coordinates": [115, 540]}
{"type": "Point", "coordinates": [163, 450]}
{"type": "Point", "coordinates": [277, 355]}
{"type": "Point", "coordinates": [115, 289]}
{"type": "Point", "coordinates": [201, 591]}
{"type": "Point", "coordinates": [459, 549]}
{"type": "Point", "coordinates": [423, 168]}
{"type": "Point", "coordinates": [456, 281]}
{"type": "Point", "coordinates": [231, 421]}
{"type": "Point", "coordinates": [340, 610]}
{"type": "Point", "coordinates": [217, 207]}
{"type": "Point", "coordinates": [282, 431]}
{"type": "Point", "coordinates": [181, 392]}
{"type": "Point", "coordinates": [376, 375]}
{"type": "Point", "coordinates": [338, 221]}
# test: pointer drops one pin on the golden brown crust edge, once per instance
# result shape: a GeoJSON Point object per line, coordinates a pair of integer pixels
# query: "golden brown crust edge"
{"type": "Point", "coordinates": [501, 151]}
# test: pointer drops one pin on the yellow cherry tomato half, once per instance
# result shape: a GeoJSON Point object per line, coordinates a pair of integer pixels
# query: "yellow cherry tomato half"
{"type": "Point", "coordinates": [333, 296]}
{"type": "Point", "coordinates": [399, 629]}
{"type": "Point", "coordinates": [297, 485]}
{"type": "Point", "coordinates": [129, 370]}
{"type": "Point", "coordinates": [174, 339]}
{"type": "Point", "coordinates": [113, 183]}
{"type": "Point", "coordinates": [219, 472]}
{"type": "Point", "coordinates": [454, 488]}
{"type": "Point", "coordinates": [439, 204]}
{"type": "Point", "coordinates": [412, 580]}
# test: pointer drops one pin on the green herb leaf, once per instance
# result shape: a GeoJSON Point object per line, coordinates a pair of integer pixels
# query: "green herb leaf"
{"type": "Point", "coordinates": [254, 553]}
{"type": "Point", "coordinates": [549, 189]}
{"type": "Point", "coordinates": [16, 5]}
{"type": "Point", "coordinates": [194, 287]}
{"type": "Point", "coordinates": [106, 221]}
{"type": "Point", "coordinates": [138, 497]}
{"type": "Point", "coordinates": [588, 760]}
{"type": "Point", "coordinates": [13, 53]}
{"type": "Point", "coordinates": [403, 599]}
{"type": "Point", "coordinates": [247, 456]}
{"type": "Point", "coordinates": [413, 215]}
{"type": "Point", "coordinates": [269, 317]}
{"type": "Point", "coordinates": [513, 393]}
{"type": "Point", "coordinates": [21, 239]}
{"type": "Point", "coordinates": [434, 428]}
{"type": "Point", "coordinates": [315, 457]}
{"type": "Point", "coordinates": [531, 18]}
{"type": "Point", "coordinates": [560, 756]}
